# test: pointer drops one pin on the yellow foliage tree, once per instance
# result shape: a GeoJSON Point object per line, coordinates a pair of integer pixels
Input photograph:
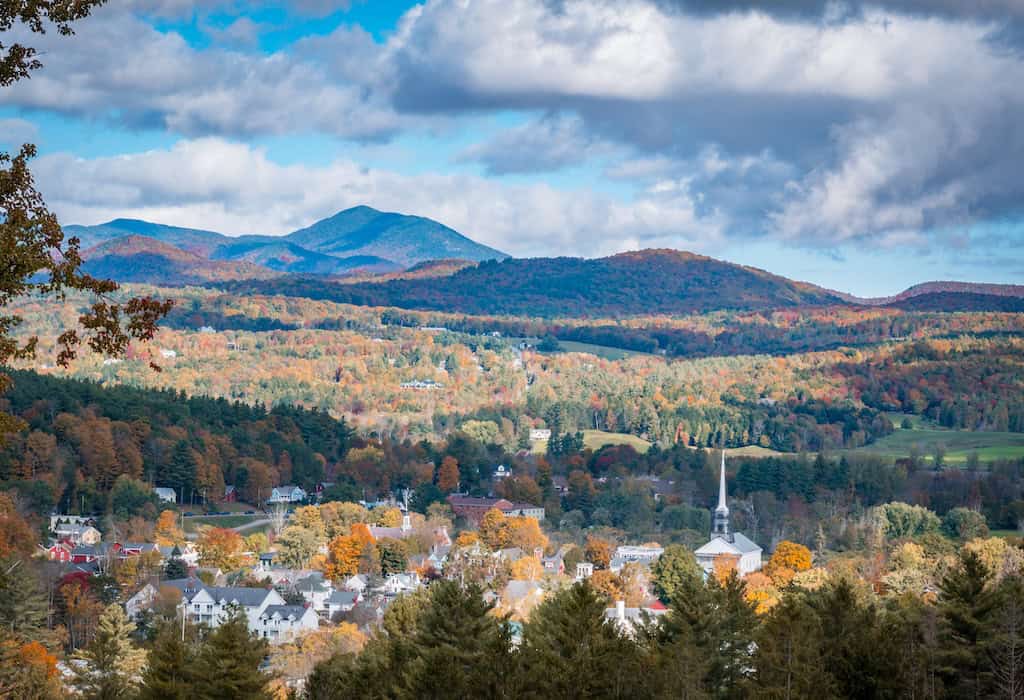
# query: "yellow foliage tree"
{"type": "Point", "coordinates": [527, 569]}
{"type": "Point", "coordinates": [387, 517]}
{"type": "Point", "coordinates": [494, 531]}
{"type": "Point", "coordinates": [788, 559]}
{"type": "Point", "coordinates": [525, 533]}
{"type": "Point", "coordinates": [308, 517]}
{"type": "Point", "coordinates": [167, 532]}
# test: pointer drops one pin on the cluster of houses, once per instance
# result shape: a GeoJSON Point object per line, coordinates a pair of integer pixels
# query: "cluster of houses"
{"type": "Point", "coordinates": [473, 508]}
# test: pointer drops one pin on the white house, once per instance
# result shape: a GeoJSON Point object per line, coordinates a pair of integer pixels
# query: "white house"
{"type": "Point", "coordinates": [502, 472]}
{"type": "Point", "coordinates": [355, 582]}
{"type": "Point", "coordinates": [397, 584]}
{"type": "Point", "coordinates": [168, 354]}
{"type": "Point", "coordinates": [539, 434]}
{"type": "Point", "coordinates": [59, 518]}
{"type": "Point", "coordinates": [315, 590]}
{"type": "Point", "coordinates": [287, 494]}
{"type": "Point", "coordinates": [641, 554]}
{"type": "Point", "coordinates": [628, 619]}
{"type": "Point", "coordinates": [165, 494]}
{"type": "Point", "coordinates": [282, 623]}
{"type": "Point", "coordinates": [339, 602]}
{"type": "Point", "coordinates": [726, 543]}
{"type": "Point", "coordinates": [584, 570]}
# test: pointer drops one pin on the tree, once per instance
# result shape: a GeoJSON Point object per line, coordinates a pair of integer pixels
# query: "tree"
{"type": "Point", "coordinates": [598, 552]}
{"type": "Point", "coordinates": [527, 569]}
{"type": "Point", "coordinates": [220, 547]}
{"type": "Point", "coordinates": [16, 537]}
{"type": "Point", "coordinates": [571, 650]}
{"type": "Point", "coordinates": [675, 569]}
{"type": "Point", "coordinates": [494, 530]}
{"type": "Point", "coordinates": [964, 524]}
{"type": "Point", "coordinates": [28, 671]}
{"type": "Point", "coordinates": [228, 665]}
{"type": "Point", "coordinates": [168, 674]}
{"type": "Point", "coordinates": [1005, 640]}
{"type": "Point", "coordinates": [789, 661]}
{"type": "Point", "coordinates": [460, 649]}
{"type": "Point", "coordinates": [346, 552]}
{"type": "Point", "coordinates": [966, 603]}
{"type": "Point", "coordinates": [448, 474]}
{"type": "Point", "coordinates": [175, 569]}
{"type": "Point", "coordinates": [296, 546]}
{"type": "Point", "coordinates": [394, 556]}
{"type": "Point", "coordinates": [788, 559]}
{"type": "Point", "coordinates": [167, 532]}
{"type": "Point", "coordinates": [110, 665]}
{"type": "Point", "coordinates": [524, 532]}
{"type": "Point", "coordinates": [36, 257]}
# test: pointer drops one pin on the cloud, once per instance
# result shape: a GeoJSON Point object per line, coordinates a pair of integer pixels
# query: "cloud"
{"type": "Point", "coordinates": [14, 132]}
{"type": "Point", "coordinates": [549, 143]}
{"type": "Point", "coordinates": [227, 186]}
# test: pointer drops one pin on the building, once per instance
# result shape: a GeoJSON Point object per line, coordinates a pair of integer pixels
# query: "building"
{"type": "Point", "coordinates": [539, 434]}
{"type": "Point", "coordinates": [584, 570]}
{"type": "Point", "coordinates": [165, 494]}
{"type": "Point", "coordinates": [641, 554]}
{"type": "Point", "coordinates": [397, 584]}
{"type": "Point", "coordinates": [628, 619]}
{"type": "Point", "coordinates": [501, 472]}
{"type": "Point", "coordinates": [473, 508]}
{"type": "Point", "coordinates": [726, 543]}
{"type": "Point", "coordinates": [340, 602]}
{"type": "Point", "coordinates": [77, 534]}
{"type": "Point", "coordinates": [59, 518]}
{"type": "Point", "coordinates": [287, 494]}
{"type": "Point", "coordinates": [283, 623]}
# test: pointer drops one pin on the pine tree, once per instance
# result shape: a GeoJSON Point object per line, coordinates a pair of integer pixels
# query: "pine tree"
{"type": "Point", "coordinates": [966, 604]}
{"type": "Point", "coordinates": [570, 650]}
{"type": "Point", "coordinates": [460, 649]}
{"type": "Point", "coordinates": [168, 674]}
{"type": "Point", "coordinates": [789, 664]}
{"type": "Point", "coordinates": [175, 569]}
{"type": "Point", "coordinates": [229, 663]}
{"type": "Point", "coordinates": [109, 668]}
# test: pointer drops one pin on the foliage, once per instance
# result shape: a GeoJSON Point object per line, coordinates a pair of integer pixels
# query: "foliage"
{"type": "Point", "coordinates": [110, 665]}
{"type": "Point", "coordinates": [221, 548]}
{"type": "Point", "coordinates": [675, 571]}
{"type": "Point", "coordinates": [228, 665]}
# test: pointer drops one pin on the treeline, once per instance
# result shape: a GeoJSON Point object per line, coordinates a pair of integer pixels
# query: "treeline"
{"type": "Point", "coordinates": [830, 641]}
{"type": "Point", "coordinates": [81, 438]}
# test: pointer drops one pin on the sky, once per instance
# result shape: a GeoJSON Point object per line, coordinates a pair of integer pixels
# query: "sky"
{"type": "Point", "coordinates": [861, 146]}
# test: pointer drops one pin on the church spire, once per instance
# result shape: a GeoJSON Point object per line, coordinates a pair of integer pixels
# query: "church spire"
{"type": "Point", "coordinates": [720, 525]}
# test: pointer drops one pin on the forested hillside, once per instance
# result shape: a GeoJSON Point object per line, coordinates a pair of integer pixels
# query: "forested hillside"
{"type": "Point", "coordinates": [646, 282]}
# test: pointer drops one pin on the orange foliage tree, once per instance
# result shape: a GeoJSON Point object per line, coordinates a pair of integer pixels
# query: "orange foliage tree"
{"type": "Point", "coordinates": [788, 559]}
{"type": "Point", "coordinates": [448, 475]}
{"type": "Point", "coordinates": [527, 569]}
{"type": "Point", "coordinates": [346, 554]}
{"type": "Point", "coordinates": [221, 547]}
{"type": "Point", "coordinates": [598, 552]}
{"type": "Point", "coordinates": [167, 532]}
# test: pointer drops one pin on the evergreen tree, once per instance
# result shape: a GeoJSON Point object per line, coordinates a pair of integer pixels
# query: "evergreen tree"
{"type": "Point", "coordinates": [789, 663]}
{"type": "Point", "coordinates": [180, 473]}
{"type": "Point", "coordinates": [966, 604]}
{"type": "Point", "coordinates": [168, 674]}
{"type": "Point", "coordinates": [109, 667]}
{"type": "Point", "coordinates": [1004, 647]}
{"type": "Point", "coordinates": [175, 569]}
{"type": "Point", "coordinates": [461, 650]}
{"type": "Point", "coordinates": [675, 569]}
{"type": "Point", "coordinates": [228, 665]}
{"type": "Point", "coordinates": [570, 650]}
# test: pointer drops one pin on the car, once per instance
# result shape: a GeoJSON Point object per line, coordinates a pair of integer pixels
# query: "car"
{"type": "Point", "coordinates": [190, 514]}
{"type": "Point", "coordinates": [250, 512]}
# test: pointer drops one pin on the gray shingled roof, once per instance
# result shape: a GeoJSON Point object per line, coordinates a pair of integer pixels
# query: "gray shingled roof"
{"type": "Point", "coordinates": [343, 598]}
{"type": "Point", "coordinates": [295, 611]}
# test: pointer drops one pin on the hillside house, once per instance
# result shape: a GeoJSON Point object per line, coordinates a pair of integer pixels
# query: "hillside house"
{"type": "Point", "coordinates": [629, 619]}
{"type": "Point", "coordinates": [340, 602]}
{"type": "Point", "coordinates": [282, 623]}
{"type": "Point", "coordinates": [473, 508]}
{"type": "Point", "coordinates": [287, 494]}
{"type": "Point", "coordinates": [77, 534]}
{"type": "Point", "coordinates": [165, 494]}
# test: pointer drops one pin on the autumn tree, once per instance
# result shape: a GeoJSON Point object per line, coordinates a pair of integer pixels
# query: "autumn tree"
{"type": "Point", "coordinates": [788, 559]}
{"type": "Point", "coordinates": [448, 474]}
{"type": "Point", "coordinates": [167, 532]}
{"type": "Point", "coordinates": [598, 552]}
{"type": "Point", "coordinates": [527, 569]}
{"type": "Point", "coordinates": [16, 537]}
{"type": "Point", "coordinates": [296, 546]}
{"type": "Point", "coordinates": [110, 664]}
{"type": "Point", "coordinates": [494, 531]}
{"type": "Point", "coordinates": [37, 260]}
{"type": "Point", "coordinates": [346, 553]}
{"type": "Point", "coordinates": [221, 548]}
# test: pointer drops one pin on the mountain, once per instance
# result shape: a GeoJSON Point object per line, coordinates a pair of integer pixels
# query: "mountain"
{"type": "Point", "coordinates": [406, 240]}
{"type": "Point", "coordinates": [644, 282]}
{"type": "Point", "coordinates": [141, 259]}
{"type": "Point", "coordinates": [197, 241]}
{"type": "Point", "coordinates": [946, 288]}
{"type": "Point", "coordinates": [279, 254]}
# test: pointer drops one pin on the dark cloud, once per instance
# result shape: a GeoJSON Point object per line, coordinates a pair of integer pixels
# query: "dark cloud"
{"type": "Point", "coordinates": [985, 10]}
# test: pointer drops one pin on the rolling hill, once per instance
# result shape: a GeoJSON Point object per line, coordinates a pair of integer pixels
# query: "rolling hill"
{"type": "Point", "coordinates": [645, 282]}
{"type": "Point", "coordinates": [141, 259]}
{"type": "Point", "coordinates": [281, 255]}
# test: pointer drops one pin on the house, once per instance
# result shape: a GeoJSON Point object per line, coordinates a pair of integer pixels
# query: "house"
{"type": "Point", "coordinates": [501, 472]}
{"type": "Point", "coordinates": [59, 518]}
{"type": "Point", "coordinates": [287, 494]}
{"type": "Point", "coordinates": [629, 619]}
{"type": "Point", "coordinates": [553, 565]}
{"type": "Point", "coordinates": [315, 590]}
{"type": "Point", "coordinates": [397, 584]}
{"type": "Point", "coordinates": [521, 597]}
{"type": "Point", "coordinates": [632, 554]}
{"type": "Point", "coordinates": [165, 494]}
{"type": "Point", "coordinates": [584, 570]}
{"type": "Point", "coordinates": [473, 508]}
{"type": "Point", "coordinates": [727, 544]}
{"type": "Point", "coordinates": [86, 554]}
{"type": "Point", "coordinates": [356, 582]}
{"type": "Point", "coordinates": [230, 494]}
{"type": "Point", "coordinates": [210, 605]}
{"type": "Point", "coordinates": [186, 552]}
{"type": "Point", "coordinates": [340, 602]}
{"type": "Point", "coordinates": [168, 354]}
{"type": "Point", "coordinates": [77, 534]}
{"type": "Point", "coordinates": [59, 551]}
{"type": "Point", "coordinates": [395, 533]}
{"type": "Point", "coordinates": [539, 434]}
{"type": "Point", "coordinates": [265, 561]}
{"type": "Point", "coordinates": [282, 623]}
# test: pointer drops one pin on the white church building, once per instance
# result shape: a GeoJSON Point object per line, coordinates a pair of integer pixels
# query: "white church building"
{"type": "Point", "coordinates": [726, 542]}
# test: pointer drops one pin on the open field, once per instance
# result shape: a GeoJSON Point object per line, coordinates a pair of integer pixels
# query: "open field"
{"type": "Point", "coordinates": [231, 521]}
{"type": "Point", "coordinates": [596, 439]}
{"type": "Point", "coordinates": [958, 444]}
{"type": "Point", "coordinates": [603, 351]}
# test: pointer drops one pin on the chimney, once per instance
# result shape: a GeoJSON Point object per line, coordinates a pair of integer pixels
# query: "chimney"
{"type": "Point", "coordinates": [620, 610]}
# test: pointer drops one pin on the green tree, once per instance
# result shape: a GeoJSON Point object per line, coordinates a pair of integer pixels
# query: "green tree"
{"type": "Point", "coordinates": [675, 569]}
{"type": "Point", "coordinates": [109, 667]}
{"type": "Point", "coordinates": [394, 557]}
{"type": "Point", "coordinates": [789, 663]}
{"type": "Point", "coordinates": [228, 665]}
{"type": "Point", "coordinates": [571, 650]}
{"type": "Point", "coordinates": [964, 524]}
{"type": "Point", "coordinates": [296, 546]}
{"type": "Point", "coordinates": [461, 650]}
{"type": "Point", "coordinates": [966, 603]}
{"type": "Point", "coordinates": [175, 569]}
{"type": "Point", "coordinates": [168, 674]}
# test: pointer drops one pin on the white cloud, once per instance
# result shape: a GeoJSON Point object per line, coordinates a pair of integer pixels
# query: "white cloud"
{"type": "Point", "coordinates": [215, 184]}
{"type": "Point", "coordinates": [14, 132]}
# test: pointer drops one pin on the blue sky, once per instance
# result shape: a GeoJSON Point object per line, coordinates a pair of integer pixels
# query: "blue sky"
{"type": "Point", "coordinates": [861, 146]}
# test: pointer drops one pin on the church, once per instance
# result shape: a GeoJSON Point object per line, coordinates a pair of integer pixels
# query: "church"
{"type": "Point", "coordinates": [726, 542]}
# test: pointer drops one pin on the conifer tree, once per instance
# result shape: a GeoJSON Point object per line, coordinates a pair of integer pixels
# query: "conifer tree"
{"type": "Point", "coordinates": [168, 674]}
{"type": "Point", "coordinates": [570, 650]}
{"type": "Point", "coordinates": [460, 649]}
{"type": "Point", "coordinates": [109, 668]}
{"type": "Point", "coordinates": [229, 663]}
{"type": "Point", "coordinates": [966, 604]}
{"type": "Point", "coordinates": [789, 663]}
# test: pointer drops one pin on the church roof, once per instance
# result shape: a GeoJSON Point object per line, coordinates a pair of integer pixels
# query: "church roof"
{"type": "Point", "coordinates": [740, 544]}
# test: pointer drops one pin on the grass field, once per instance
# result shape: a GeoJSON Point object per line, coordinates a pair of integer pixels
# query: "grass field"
{"type": "Point", "coordinates": [603, 351]}
{"type": "Point", "coordinates": [958, 444]}
{"type": "Point", "coordinates": [596, 439]}
{"type": "Point", "coordinates": [755, 451]}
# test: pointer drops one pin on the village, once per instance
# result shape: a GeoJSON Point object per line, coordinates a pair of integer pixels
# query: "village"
{"type": "Point", "coordinates": [327, 564]}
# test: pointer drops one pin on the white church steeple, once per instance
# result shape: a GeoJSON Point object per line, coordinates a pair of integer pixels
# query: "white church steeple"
{"type": "Point", "coordinates": [720, 522]}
